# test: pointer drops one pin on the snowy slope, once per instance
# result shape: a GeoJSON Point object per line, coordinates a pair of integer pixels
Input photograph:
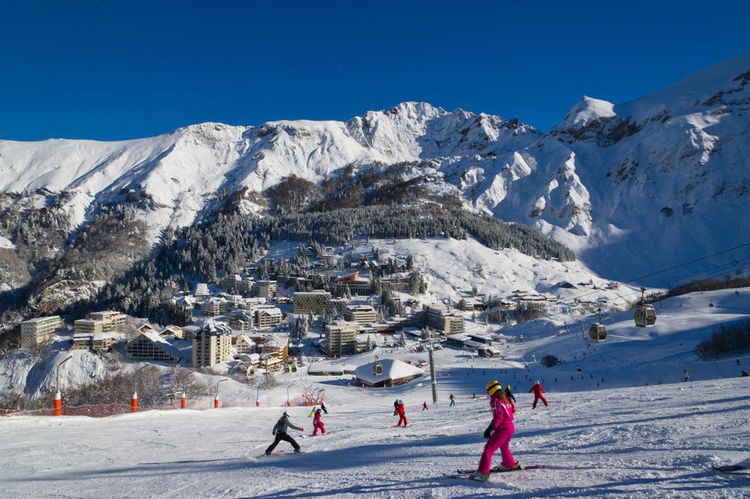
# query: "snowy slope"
{"type": "Point", "coordinates": [495, 273]}
{"type": "Point", "coordinates": [621, 426]}
{"type": "Point", "coordinates": [632, 442]}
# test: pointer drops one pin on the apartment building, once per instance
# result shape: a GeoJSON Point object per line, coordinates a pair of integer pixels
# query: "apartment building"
{"type": "Point", "coordinates": [264, 289]}
{"type": "Point", "coordinates": [35, 332]}
{"type": "Point", "coordinates": [211, 346]}
{"type": "Point", "coordinates": [268, 316]}
{"type": "Point", "coordinates": [245, 285]}
{"type": "Point", "coordinates": [150, 345]}
{"type": "Point", "coordinates": [276, 347]}
{"type": "Point", "coordinates": [341, 338]}
{"type": "Point", "coordinates": [357, 285]}
{"type": "Point", "coordinates": [213, 307]}
{"type": "Point", "coordinates": [88, 327]}
{"type": "Point", "coordinates": [244, 344]}
{"type": "Point", "coordinates": [111, 320]}
{"type": "Point", "coordinates": [82, 341]}
{"type": "Point", "coordinates": [241, 320]}
{"type": "Point", "coordinates": [201, 290]}
{"type": "Point", "coordinates": [439, 317]}
{"type": "Point", "coordinates": [361, 314]}
{"type": "Point", "coordinates": [231, 283]}
{"type": "Point", "coordinates": [101, 342]}
{"type": "Point", "coordinates": [312, 302]}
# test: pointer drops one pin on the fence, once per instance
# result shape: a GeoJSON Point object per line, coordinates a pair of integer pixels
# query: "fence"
{"type": "Point", "coordinates": [106, 410]}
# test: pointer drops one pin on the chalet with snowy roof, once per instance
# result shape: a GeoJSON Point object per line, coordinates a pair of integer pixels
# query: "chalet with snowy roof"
{"type": "Point", "coordinates": [244, 344]}
{"type": "Point", "coordinates": [172, 330]}
{"type": "Point", "coordinates": [387, 372]}
{"type": "Point", "coordinates": [268, 316]}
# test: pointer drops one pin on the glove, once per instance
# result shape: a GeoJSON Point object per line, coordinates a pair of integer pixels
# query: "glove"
{"type": "Point", "coordinates": [488, 432]}
{"type": "Point", "coordinates": [301, 429]}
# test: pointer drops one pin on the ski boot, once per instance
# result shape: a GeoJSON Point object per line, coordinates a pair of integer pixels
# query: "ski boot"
{"type": "Point", "coordinates": [479, 476]}
{"type": "Point", "coordinates": [516, 466]}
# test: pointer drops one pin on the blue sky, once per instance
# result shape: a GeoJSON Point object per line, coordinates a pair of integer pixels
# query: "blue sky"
{"type": "Point", "coordinates": [114, 70]}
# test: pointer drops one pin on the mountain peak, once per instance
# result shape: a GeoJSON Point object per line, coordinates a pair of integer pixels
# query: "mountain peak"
{"type": "Point", "coordinates": [415, 109]}
{"type": "Point", "coordinates": [586, 111]}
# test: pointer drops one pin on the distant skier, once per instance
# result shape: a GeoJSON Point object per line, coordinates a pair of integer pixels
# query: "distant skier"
{"type": "Point", "coordinates": [279, 430]}
{"type": "Point", "coordinates": [452, 399]}
{"type": "Point", "coordinates": [318, 424]}
{"type": "Point", "coordinates": [685, 376]}
{"type": "Point", "coordinates": [401, 411]}
{"type": "Point", "coordinates": [538, 390]}
{"type": "Point", "coordinates": [424, 407]}
{"type": "Point", "coordinates": [744, 374]}
{"type": "Point", "coordinates": [498, 433]}
{"type": "Point", "coordinates": [395, 407]}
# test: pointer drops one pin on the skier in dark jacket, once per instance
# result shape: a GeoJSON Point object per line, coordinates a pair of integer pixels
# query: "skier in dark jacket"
{"type": "Point", "coordinates": [323, 406]}
{"type": "Point", "coordinates": [279, 430]}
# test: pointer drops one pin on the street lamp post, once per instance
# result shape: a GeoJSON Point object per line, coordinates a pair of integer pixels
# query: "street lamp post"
{"type": "Point", "coordinates": [134, 400]}
{"type": "Point", "coordinates": [58, 396]}
{"type": "Point", "coordinates": [216, 399]}
{"type": "Point", "coordinates": [432, 374]}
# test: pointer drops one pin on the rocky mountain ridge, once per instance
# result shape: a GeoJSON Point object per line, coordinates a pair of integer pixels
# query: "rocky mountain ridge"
{"type": "Point", "coordinates": [661, 179]}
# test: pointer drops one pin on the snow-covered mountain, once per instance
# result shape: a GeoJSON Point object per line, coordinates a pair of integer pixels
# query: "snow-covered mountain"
{"type": "Point", "coordinates": [647, 183]}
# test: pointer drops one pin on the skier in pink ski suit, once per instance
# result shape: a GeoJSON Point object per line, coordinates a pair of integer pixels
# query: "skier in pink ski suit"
{"type": "Point", "coordinates": [318, 424]}
{"type": "Point", "coordinates": [499, 432]}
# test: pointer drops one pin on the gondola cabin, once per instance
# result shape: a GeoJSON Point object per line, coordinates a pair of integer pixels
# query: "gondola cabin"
{"type": "Point", "coordinates": [645, 315]}
{"type": "Point", "coordinates": [597, 331]}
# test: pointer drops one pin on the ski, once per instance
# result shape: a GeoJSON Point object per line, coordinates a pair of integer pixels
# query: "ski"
{"type": "Point", "coordinates": [497, 469]}
{"type": "Point", "coordinates": [278, 453]}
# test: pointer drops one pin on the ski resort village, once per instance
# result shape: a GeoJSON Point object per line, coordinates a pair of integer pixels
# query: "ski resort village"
{"type": "Point", "coordinates": [412, 301]}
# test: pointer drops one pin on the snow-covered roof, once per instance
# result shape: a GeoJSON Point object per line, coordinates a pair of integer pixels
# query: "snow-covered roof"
{"type": "Point", "coordinates": [393, 369]}
{"type": "Point", "coordinates": [41, 319]}
{"type": "Point", "coordinates": [323, 368]}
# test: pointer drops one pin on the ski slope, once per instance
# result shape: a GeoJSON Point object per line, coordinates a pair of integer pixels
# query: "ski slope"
{"type": "Point", "coordinates": [639, 433]}
{"type": "Point", "coordinates": [631, 442]}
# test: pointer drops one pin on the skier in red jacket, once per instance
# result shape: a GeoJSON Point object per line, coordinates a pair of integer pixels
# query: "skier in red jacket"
{"type": "Point", "coordinates": [401, 413]}
{"type": "Point", "coordinates": [538, 389]}
{"type": "Point", "coordinates": [318, 424]}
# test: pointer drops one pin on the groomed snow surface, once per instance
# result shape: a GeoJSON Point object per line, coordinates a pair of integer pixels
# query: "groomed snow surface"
{"type": "Point", "coordinates": [644, 435]}
{"type": "Point", "coordinates": [632, 442]}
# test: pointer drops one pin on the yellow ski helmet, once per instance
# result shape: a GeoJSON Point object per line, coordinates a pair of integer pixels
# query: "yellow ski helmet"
{"type": "Point", "coordinates": [492, 387]}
